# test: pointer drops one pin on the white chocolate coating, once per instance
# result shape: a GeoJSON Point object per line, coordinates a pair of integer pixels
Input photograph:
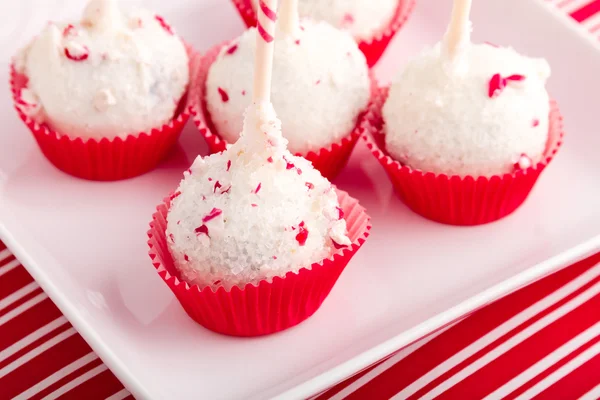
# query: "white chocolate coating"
{"type": "Point", "coordinates": [110, 75]}
{"type": "Point", "coordinates": [320, 86]}
{"type": "Point", "coordinates": [253, 212]}
{"type": "Point", "coordinates": [440, 116]}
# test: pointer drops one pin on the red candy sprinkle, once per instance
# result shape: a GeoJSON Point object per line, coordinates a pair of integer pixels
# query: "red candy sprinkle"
{"type": "Point", "coordinates": [340, 213]}
{"type": "Point", "coordinates": [258, 188]}
{"type": "Point", "coordinates": [209, 179]}
{"type": "Point", "coordinates": [217, 186]}
{"type": "Point", "coordinates": [299, 171]}
{"type": "Point", "coordinates": [243, 92]}
{"type": "Point", "coordinates": [177, 193]}
{"type": "Point", "coordinates": [288, 164]}
{"type": "Point", "coordinates": [226, 190]}
{"type": "Point", "coordinates": [270, 159]}
{"type": "Point", "coordinates": [536, 122]}
{"type": "Point", "coordinates": [202, 230]}
{"type": "Point", "coordinates": [186, 258]}
{"type": "Point", "coordinates": [297, 42]}
{"type": "Point", "coordinates": [164, 24]}
{"type": "Point", "coordinates": [69, 29]}
{"type": "Point", "coordinates": [274, 257]}
{"type": "Point", "coordinates": [232, 49]}
{"type": "Point", "coordinates": [254, 205]}
{"type": "Point", "coordinates": [302, 234]}
{"type": "Point", "coordinates": [79, 57]}
{"type": "Point", "coordinates": [348, 19]}
{"type": "Point", "coordinates": [309, 185]}
{"type": "Point", "coordinates": [498, 83]}
{"type": "Point", "coordinates": [224, 95]}
{"type": "Point", "coordinates": [317, 82]}
{"type": "Point", "coordinates": [172, 237]}
{"type": "Point", "coordinates": [228, 164]}
{"type": "Point", "coordinates": [337, 245]}
{"type": "Point", "coordinates": [214, 213]}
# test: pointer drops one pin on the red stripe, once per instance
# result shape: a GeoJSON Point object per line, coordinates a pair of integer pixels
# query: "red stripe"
{"type": "Point", "coordinates": [586, 11]}
{"type": "Point", "coordinates": [102, 386]}
{"type": "Point", "coordinates": [68, 378]}
{"type": "Point", "coordinates": [14, 280]}
{"type": "Point", "coordinates": [2, 245]}
{"type": "Point", "coordinates": [272, 15]}
{"type": "Point", "coordinates": [501, 340]}
{"type": "Point", "coordinates": [6, 260]}
{"type": "Point", "coordinates": [27, 322]}
{"type": "Point", "coordinates": [34, 345]}
{"type": "Point", "coordinates": [415, 365]}
{"type": "Point", "coordinates": [551, 369]}
{"type": "Point", "coordinates": [265, 35]}
{"type": "Point", "coordinates": [576, 384]}
{"type": "Point", "coordinates": [527, 353]}
{"type": "Point", "coordinates": [20, 301]}
{"type": "Point", "coordinates": [44, 365]}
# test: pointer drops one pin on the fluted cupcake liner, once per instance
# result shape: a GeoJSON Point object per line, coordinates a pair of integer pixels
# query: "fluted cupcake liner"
{"type": "Point", "coordinates": [457, 200]}
{"type": "Point", "coordinates": [372, 48]}
{"type": "Point", "coordinates": [329, 160]}
{"type": "Point", "coordinates": [272, 305]}
{"type": "Point", "coordinates": [104, 159]}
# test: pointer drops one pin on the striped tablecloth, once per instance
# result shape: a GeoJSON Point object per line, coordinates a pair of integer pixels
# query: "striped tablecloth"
{"type": "Point", "coordinates": [541, 342]}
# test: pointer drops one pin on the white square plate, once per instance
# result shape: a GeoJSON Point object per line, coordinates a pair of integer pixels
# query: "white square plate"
{"type": "Point", "coordinates": [85, 242]}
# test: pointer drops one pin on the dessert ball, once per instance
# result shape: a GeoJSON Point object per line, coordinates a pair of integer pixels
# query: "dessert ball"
{"type": "Point", "coordinates": [364, 19]}
{"type": "Point", "coordinates": [252, 212]}
{"type": "Point", "coordinates": [109, 75]}
{"type": "Point", "coordinates": [485, 114]}
{"type": "Point", "coordinates": [320, 85]}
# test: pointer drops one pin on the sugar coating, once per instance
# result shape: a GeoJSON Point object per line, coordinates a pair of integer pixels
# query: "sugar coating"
{"type": "Point", "coordinates": [109, 75]}
{"type": "Point", "coordinates": [252, 212]}
{"type": "Point", "coordinates": [441, 117]}
{"type": "Point", "coordinates": [320, 86]}
{"type": "Point", "coordinates": [364, 19]}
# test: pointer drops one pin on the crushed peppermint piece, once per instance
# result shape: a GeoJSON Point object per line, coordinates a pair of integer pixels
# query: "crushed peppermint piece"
{"type": "Point", "coordinates": [224, 95]}
{"type": "Point", "coordinates": [214, 213]}
{"type": "Point", "coordinates": [232, 49]}
{"type": "Point", "coordinates": [309, 185]}
{"type": "Point", "coordinates": [302, 234]}
{"type": "Point", "coordinates": [535, 123]}
{"type": "Point", "coordinates": [217, 186]}
{"type": "Point", "coordinates": [498, 83]}
{"type": "Point", "coordinates": [69, 30]}
{"type": "Point", "coordinates": [297, 41]}
{"type": "Point", "coordinates": [76, 52]}
{"type": "Point", "coordinates": [228, 164]}
{"type": "Point", "coordinates": [174, 195]}
{"type": "Point", "coordinates": [202, 230]}
{"type": "Point", "coordinates": [270, 159]}
{"type": "Point", "coordinates": [340, 212]}
{"type": "Point", "coordinates": [164, 25]}
{"type": "Point", "coordinates": [186, 258]}
{"type": "Point", "coordinates": [258, 188]}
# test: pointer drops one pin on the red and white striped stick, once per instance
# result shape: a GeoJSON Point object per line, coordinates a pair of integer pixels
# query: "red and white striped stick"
{"type": "Point", "coordinates": [263, 68]}
{"type": "Point", "coordinates": [459, 29]}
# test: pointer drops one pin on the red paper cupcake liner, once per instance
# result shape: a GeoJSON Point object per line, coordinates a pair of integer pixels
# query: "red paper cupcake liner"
{"type": "Point", "coordinates": [330, 160]}
{"type": "Point", "coordinates": [105, 159]}
{"type": "Point", "coordinates": [268, 307]}
{"type": "Point", "coordinates": [372, 49]}
{"type": "Point", "coordinates": [458, 200]}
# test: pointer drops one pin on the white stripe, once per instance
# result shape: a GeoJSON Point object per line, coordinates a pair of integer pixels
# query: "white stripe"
{"type": "Point", "coordinates": [561, 372]}
{"type": "Point", "coordinates": [55, 377]}
{"type": "Point", "coordinates": [76, 382]}
{"type": "Point", "coordinates": [17, 295]}
{"type": "Point", "coordinates": [9, 266]}
{"type": "Point", "coordinates": [22, 308]}
{"type": "Point", "coordinates": [593, 394]}
{"type": "Point", "coordinates": [4, 254]}
{"type": "Point", "coordinates": [546, 362]}
{"type": "Point", "coordinates": [32, 337]}
{"type": "Point", "coordinates": [500, 331]}
{"type": "Point", "coordinates": [120, 395]}
{"type": "Point", "coordinates": [390, 362]}
{"type": "Point", "coordinates": [514, 341]}
{"type": "Point", "coordinates": [25, 358]}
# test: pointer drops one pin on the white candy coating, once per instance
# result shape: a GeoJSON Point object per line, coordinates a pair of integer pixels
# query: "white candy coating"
{"type": "Point", "coordinates": [252, 212]}
{"type": "Point", "coordinates": [110, 75]}
{"type": "Point", "coordinates": [320, 86]}
{"type": "Point", "coordinates": [364, 19]}
{"type": "Point", "coordinates": [439, 116]}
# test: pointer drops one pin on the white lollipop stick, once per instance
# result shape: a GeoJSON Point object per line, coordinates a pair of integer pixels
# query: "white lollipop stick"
{"type": "Point", "coordinates": [459, 30]}
{"type": "Point", "coordinates": [289, 22]}
{"type": "Point", "coordinates": [263, 63]}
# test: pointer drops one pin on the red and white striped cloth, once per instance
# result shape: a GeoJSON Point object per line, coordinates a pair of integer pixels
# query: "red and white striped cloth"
{"type": "Point", "coordinates": [541, 342]}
